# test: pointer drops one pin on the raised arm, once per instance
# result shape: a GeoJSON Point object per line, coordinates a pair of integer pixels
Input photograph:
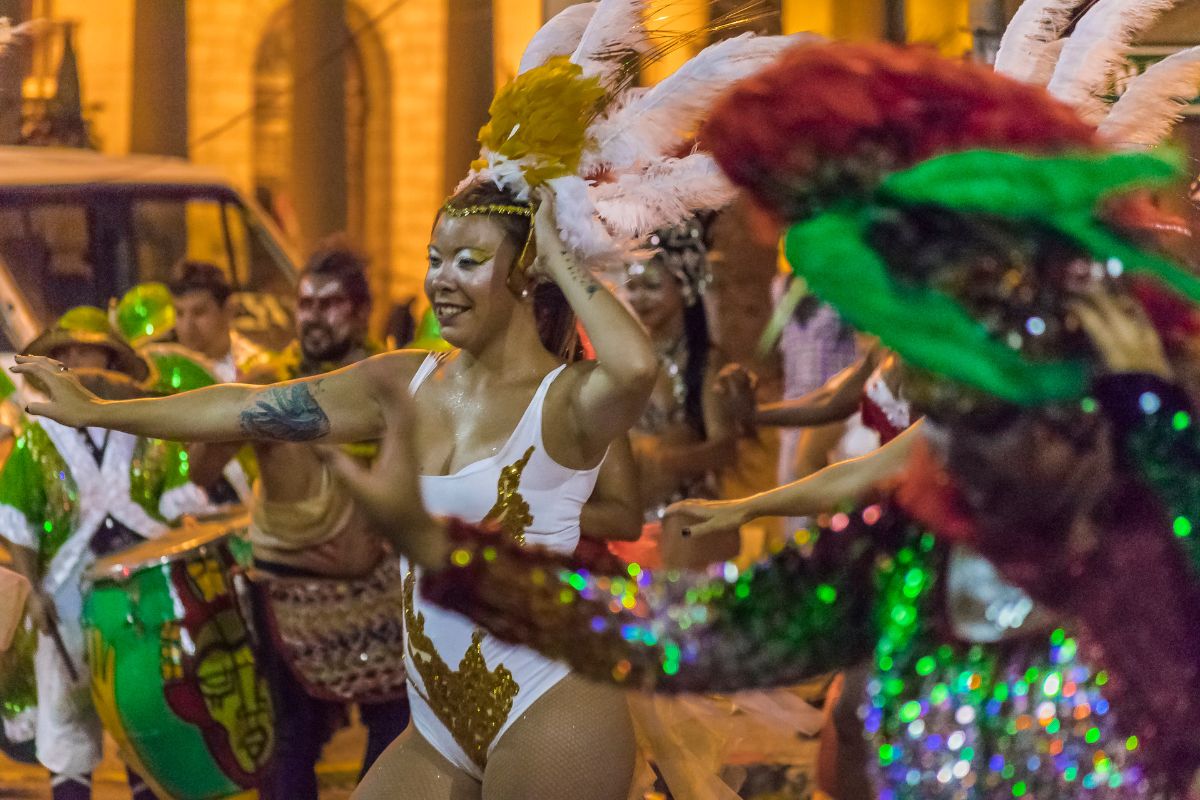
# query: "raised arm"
{"type": "Point", "coordinates": [820, 492]}
{"type": "Point", "coordinates": [337, 407]}
{"type": "Point", "coordinates": [833, 402]}
{"type": "Point", "coordinates": [610, 392]}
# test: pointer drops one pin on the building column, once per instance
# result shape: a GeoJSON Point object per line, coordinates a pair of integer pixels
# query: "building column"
{"type": "Point", "coordinates": [318, 174]}
{"type": "Point", "coordinates": [159, 112]}
{"type": "Point", "coordinates": [469, 84]}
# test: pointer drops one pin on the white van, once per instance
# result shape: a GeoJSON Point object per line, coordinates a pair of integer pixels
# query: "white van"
{"type": "Point", "coordinates": [78, 227]}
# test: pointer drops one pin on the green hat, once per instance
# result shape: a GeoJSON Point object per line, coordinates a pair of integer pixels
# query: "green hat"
{"type": "Point", "coordinates": [145, 312]}
{"type": "Point", "coordinates": [88, 325]}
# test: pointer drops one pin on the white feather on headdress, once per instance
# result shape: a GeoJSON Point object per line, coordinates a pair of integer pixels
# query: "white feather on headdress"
{"type": "Point", "coordinates": [1154, 102]}
{"type": "Point", "coordinates": [1101, 41]}
{"type": "Point", "coordinates": [649, 124]}
{"type": "Point", "coordinates": [1033, 40]}
{"type": "Point", "coordinates": [558, 37]}
{"type": "Point", "coordinates": [667, 194]}
{"type": "Point", "coordinates": [615, 33]}
{"type": "Point", "coordinates": [629, 180]}
{"type": "Point", "coordinates": [578, 224]}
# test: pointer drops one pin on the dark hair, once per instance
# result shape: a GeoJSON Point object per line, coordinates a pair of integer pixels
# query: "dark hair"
{"type": "Point", "coordinates": [336, 258]}
{"type": "Point", "coordinates": [553, 314]}
{"type": "Point", "coordinates": [199, 276]}
{"type": "Point", "coordinates": [696, 339]}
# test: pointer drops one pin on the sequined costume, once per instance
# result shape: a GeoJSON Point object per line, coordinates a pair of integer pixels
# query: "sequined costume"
{"type": "Point", "coordinates": [1030, 710]}
{"type": "Point", "coordinates": [73, 496]}
{"type": "Point", "coordinates": [466, 686]}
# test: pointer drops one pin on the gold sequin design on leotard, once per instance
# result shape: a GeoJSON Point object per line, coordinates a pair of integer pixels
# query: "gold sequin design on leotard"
{"type": "Point", "coordinates": [473, 702]}
{"type": "Point", "coordinates": [511, 511]}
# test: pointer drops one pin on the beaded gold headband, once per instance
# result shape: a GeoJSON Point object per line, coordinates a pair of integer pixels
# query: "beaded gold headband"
{"type": "Point", "coordinates": [489, 208]}
{"type": "Point", "coordinates": [498, 208]}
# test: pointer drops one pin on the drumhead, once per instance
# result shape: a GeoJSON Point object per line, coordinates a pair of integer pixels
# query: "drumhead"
{"type": "Point", "coordinates": [174, 545]}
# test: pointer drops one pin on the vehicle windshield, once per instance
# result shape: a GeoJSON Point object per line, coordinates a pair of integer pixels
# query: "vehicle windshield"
{"type": "Point", "coordinates": [83, 247]}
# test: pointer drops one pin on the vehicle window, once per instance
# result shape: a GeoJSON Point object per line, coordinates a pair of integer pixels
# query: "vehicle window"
{"type": "Point", "coordinates": [168, 230]}
{"type": "Point", "coordinates": [51, 256]}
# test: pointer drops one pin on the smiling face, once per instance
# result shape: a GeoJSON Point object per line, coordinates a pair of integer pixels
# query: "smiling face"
{"type": "Point", "coordinates": [467, 282]}
{"type": "Point", "coordinates": [655, 294]}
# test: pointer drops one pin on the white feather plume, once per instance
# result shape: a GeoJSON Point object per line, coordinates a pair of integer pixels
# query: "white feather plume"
{"type": "Point", "coordinates": [1031, 43]}
{"type": "Point", "coordinates": [652, 124]}
{"type": "Point", "coordinates": [1154, 102]}
{"type": "Point", "coordinates": [558, 37]}
{"type": "Point", "coordinates": [1100, 42]}
{"type": "Point", "coordinates": [578, 224]}
{"type": "Point", "coordinates": [615, 27]}
{"type": "Point", "coordinates": [669, 193]}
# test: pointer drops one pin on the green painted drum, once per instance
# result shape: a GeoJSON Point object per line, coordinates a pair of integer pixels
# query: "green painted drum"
{"type": "Point", "coordinates": [174, 673]}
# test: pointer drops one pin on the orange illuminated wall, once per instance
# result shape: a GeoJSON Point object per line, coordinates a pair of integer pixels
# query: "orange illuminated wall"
{"type": "Point", "coordinates": [514, 22]}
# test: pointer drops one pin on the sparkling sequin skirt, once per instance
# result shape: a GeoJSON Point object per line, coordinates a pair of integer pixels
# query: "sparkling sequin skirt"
{"type": "Point", "coordinates": [1021, 719]}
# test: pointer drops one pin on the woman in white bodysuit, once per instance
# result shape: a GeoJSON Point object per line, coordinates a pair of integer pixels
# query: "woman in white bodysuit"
{"type": "Point", "coordinates": [506, 432]}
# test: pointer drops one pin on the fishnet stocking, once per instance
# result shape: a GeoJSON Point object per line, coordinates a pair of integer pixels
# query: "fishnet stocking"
{"type": "Point", "coordinates": [575, 742]}
{"type": "Point", "coordinates": [411, 769]}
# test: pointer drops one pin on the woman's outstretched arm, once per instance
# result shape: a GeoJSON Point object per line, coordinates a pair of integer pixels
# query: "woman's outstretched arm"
{"type": "Point", "coordinates": [820, 492]}
{"type": "Point", "coordinates": [337, 407]}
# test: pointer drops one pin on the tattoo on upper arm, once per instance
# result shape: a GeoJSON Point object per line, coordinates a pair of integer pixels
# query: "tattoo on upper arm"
{"type": "Point", "coordinates": [286, 413]}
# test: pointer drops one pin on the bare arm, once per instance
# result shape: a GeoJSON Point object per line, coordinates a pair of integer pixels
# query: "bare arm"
{"type": "Point", "coordinates": [833, 402]}
{"type": "Point", "coordinates": [207, 461]}
{"type": "Point", "coordinates": [820, 492]}
{"type": "Point", "coordinates": [612, 390]}
{"type": "Point", "coordinates": [614, 511]}
{"type": "Point", "coordinates": [337, 407]}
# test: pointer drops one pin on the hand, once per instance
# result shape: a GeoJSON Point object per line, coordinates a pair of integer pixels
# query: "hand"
{"type": "Point", "coordinates": [705, 517]}
{"type": "Point", "coordinates": [1122, 334]}
{"type": "Point", "coordinates": [389, 490]}
{"type": "Point", "coordinates": [69, 403]}
{"type": "Point", "coordinates": [548, 244]}
{"type": "Point", "coordinates": [736, 387]}
{"type": "Point", "coordinates": [40, 608]}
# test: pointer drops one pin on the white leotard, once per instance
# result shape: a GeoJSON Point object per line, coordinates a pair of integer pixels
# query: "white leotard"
{"type": "Point", "coordinates": [458, 693]}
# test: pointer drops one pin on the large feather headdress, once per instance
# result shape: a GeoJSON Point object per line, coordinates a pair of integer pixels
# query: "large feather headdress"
{"type": "Point", "coordinates": [1082, 68]}
{"type": "Point", "coordinates": [618, 157]}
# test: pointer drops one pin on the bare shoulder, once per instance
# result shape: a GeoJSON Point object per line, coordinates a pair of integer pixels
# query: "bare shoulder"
{"type": "Point", "coordinates": [392, 371]}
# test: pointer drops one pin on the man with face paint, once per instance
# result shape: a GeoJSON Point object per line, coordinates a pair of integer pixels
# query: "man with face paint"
{"type": "Point", "coordinates": [303, 522]}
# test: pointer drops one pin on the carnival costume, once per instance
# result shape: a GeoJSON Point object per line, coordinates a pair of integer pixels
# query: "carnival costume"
{"type": "Point", "coordinates": [618, 160]}
{"type": "Point", "coordinates": [953, 213]}
{"type": "Point", "coordinates": [73, 496]}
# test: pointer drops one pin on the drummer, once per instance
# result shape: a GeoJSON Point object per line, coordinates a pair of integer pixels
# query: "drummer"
{"type": "Point", "coordinates": [304, 524]}
{"type": "Point", "coordinates": [67, 497]}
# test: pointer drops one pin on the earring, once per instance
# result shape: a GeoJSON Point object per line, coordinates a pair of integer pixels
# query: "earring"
{"type": "Point", "coordinates": [525, 293]}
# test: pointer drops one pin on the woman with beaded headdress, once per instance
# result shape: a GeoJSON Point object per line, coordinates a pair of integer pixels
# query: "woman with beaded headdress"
{"type": "Point", "coordinates": [686, 435]}
{"type": "Point", "coordinates": [1027, 591]}
{"type": "Point", "coordinates": [575, 166]}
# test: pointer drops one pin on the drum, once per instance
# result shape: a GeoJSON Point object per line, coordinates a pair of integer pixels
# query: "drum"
{"type": "Point", "coordinates": [175, 677]}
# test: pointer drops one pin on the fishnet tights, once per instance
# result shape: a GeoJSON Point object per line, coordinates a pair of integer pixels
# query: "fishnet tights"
{"type": "Point", "coordinates": [575, 742]}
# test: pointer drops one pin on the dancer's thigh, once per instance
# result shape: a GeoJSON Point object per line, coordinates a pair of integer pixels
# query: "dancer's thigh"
{"type": "Point", "coordinates": [412, 769]}
{"type": "Point", "coordinates": [576, 741]}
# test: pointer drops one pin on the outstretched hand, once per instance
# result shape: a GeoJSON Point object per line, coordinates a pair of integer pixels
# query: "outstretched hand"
{"type": "Point", "coordinates": [1121, 333]}
{"type": "Point", "coordinates": [69, 403]}
{"type": "Point", "coordinates": [706, 517]}
{"type": "Point", "coordinates": [388, 491]}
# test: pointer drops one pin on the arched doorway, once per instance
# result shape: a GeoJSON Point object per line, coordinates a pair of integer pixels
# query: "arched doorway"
{"type": "Point", "coordinates": [368, 125]}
